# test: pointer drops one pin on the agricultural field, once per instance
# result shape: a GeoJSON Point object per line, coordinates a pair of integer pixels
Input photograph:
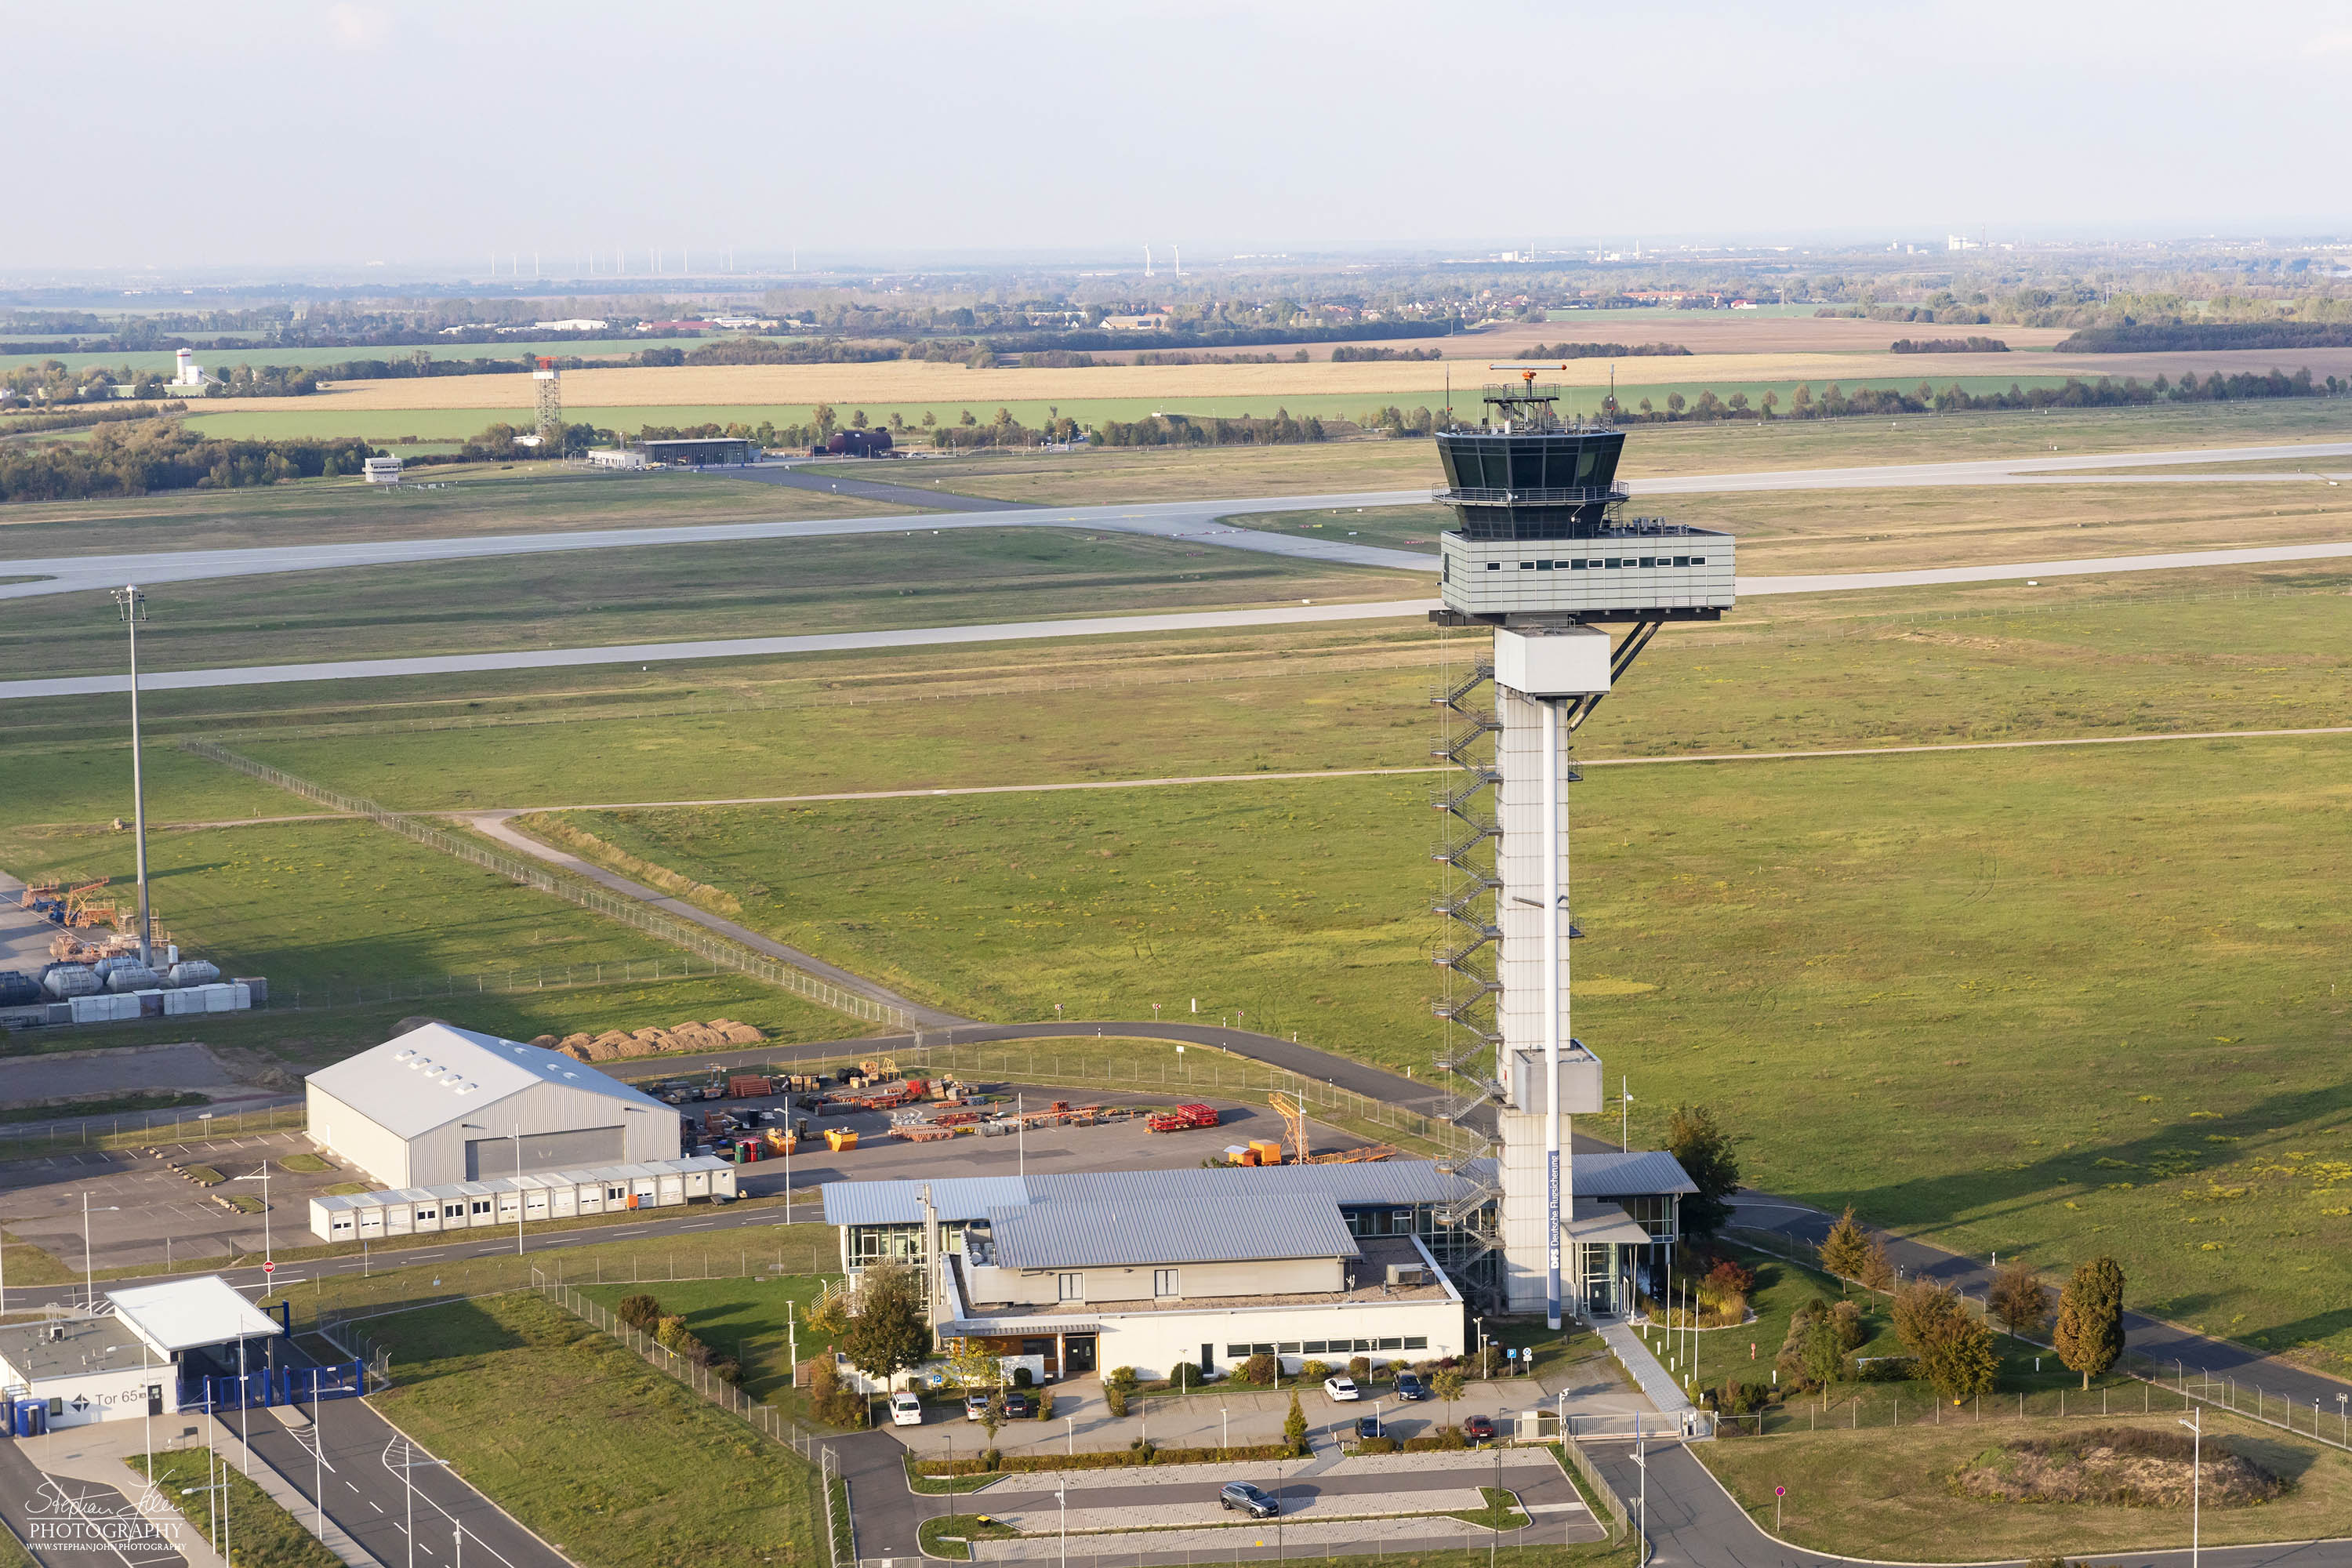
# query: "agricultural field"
{"type": "Point", "coordinates": [1968, 1002]}
{"type": "Point", "coordinates": [862, 582]}
{"type": "Point", "coordinates": [615, 1464]}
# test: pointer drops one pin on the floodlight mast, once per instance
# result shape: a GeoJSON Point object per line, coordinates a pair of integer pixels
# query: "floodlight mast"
{"type": "Point", "coordinates": [1542, 557]}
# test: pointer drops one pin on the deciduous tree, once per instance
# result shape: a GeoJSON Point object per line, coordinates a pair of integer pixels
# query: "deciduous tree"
{"type": "Point", "coordinates": [2018, 1298]}
{"type": "Point", "coordinates": [1704, 1150]}
{"type": "Point", "coordinates": [1847, 1248]}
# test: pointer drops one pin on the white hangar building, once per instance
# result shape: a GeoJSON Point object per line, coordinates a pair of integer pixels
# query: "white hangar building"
{"type": "Point", "coordinates": [440, 1105]}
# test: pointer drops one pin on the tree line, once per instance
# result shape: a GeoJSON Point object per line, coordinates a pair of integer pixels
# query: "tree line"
{"type": "Point", "coordinates": [137, 458]}
{"type": "Point", "coordinates": [1185, 430]}
{"type": "Point", "coordinates": [1971, 344]}
{"type": "Point", "coordinates": [2076, 393]}
{"type": "Point", "coordinates": [2148, 337]}
{"type": "Point", "coordinates": [1605, 351]}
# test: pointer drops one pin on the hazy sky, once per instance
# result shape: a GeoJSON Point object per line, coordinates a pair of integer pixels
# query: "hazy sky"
{"type": "Point", "coordinates": [339, 132]}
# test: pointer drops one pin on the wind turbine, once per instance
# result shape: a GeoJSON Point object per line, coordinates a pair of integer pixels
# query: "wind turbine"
{"type": "Point", "coordinates": [1147, 261]}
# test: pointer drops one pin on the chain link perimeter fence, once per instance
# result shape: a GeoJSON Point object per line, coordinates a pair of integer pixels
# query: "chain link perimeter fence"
{"type": "Point", "coordinates": [840, 1528]}
{"type": "Point", "coordinates": [697, 940]}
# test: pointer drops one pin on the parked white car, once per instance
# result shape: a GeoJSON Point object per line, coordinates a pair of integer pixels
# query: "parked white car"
{"type": "Point", "coordinates": [1342, 1388]}
{"type": "Point", "coordinates": [906, 1409]}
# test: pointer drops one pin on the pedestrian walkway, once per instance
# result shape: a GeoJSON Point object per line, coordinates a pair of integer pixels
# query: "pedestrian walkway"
{"type": "Point", "coordinates": [1654, 1379]}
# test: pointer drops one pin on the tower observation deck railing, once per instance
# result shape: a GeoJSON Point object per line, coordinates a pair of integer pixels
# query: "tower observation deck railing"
{"type": "Point", "coordinates": [1586, 495]}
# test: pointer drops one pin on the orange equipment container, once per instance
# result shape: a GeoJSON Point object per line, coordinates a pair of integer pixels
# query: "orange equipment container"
{"type": "Point", "coordinates": [840, 1140]}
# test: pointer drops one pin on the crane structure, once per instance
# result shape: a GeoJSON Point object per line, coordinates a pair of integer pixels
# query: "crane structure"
{"type": "Point", "coordinates": [1542, 556]}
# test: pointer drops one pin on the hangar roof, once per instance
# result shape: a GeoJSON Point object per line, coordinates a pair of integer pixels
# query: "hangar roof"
{"type": "Point", "coordinates": [436, 1073]}
{"type": "Point", "coordinates": [1108, 1235]}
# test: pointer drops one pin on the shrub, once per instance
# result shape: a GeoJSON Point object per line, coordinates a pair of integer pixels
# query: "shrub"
{"type": "Point", "coordinates": [1377, 1446]}
{"type": "Point", "coordinates": [1258, 1369]}
{"type": "Point", "coordinates": [1730, 1278]}
{"type": "Point", "coordinates": [1887, 1369]}
{"type": "Point", "coordinates": [834, 1404]}
{"type": "Point", "coordinates": [1294, 1429]}
{"type": "Point", "coordinates": [1846, 1322]}
{"type": "Point", "coordinates": [1315, 1371]}
{"type": "Point", "coordinates": [1020, 1377]}
{"type": "Point", "coordinates": [640, 1312]}
{"type": "Point", "coordinates": [1360, 1368]}
{"type": "Point", "coordinates": [727, 1370]}
{"type": "Point", "coordinates": [671, 1333]}
{"type": "Point", "coordinates": [1115, 1398]}
{"type": "Point", "coordinates": [1046, 1405]}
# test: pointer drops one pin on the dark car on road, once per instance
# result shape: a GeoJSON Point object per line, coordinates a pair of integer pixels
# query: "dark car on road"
{"type": "Point", "coordinates": [1250, 1500]}
{"type": "Point", "coordinates": [1478, 1428]}
{"type": "Point", "coordinates": [1019, 1407]}
{"type": "Point", "coordinates": [1410, 1386]}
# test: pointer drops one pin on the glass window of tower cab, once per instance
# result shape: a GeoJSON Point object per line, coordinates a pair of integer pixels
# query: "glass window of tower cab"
{"type": "Point", "coordinates": [1523, 472]}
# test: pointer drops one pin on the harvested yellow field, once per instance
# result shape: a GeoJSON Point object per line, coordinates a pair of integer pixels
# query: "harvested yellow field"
{"type": "Point", "coordinates": [916, 382]}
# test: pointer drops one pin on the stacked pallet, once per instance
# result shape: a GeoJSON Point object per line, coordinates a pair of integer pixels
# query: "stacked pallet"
{"type": "Point", "coordinates": [616, 1044]}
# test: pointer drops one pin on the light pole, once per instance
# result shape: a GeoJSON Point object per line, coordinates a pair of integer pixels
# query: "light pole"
{"type": "Point", "coordinates": [1224, 1432]}
{"type": "Point", "coordinates": [1641, 1463]}
{"type": "Point", "coordinates": [408, 1463]}
{"type": "Point", "coordinates": [88, 1278]}
{"type": "Point", "coordinates": [519, 1194]}
{"type": "Point", "coordinates": [1062, 1496]}
{"type": "Point", "coordinates": [2196, 1483]}
{"type": "Point", "coordinates": [132, 605]}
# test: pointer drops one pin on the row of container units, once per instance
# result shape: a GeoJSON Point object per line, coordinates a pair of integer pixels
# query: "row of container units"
{"type": "Point", "coordinates": [103, 1007]}
{"type": "Point", "coordinates": [509, 1200]}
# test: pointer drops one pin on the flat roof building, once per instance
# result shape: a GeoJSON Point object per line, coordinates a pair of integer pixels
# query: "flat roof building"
{"type": "Point", "coordinates": [701, 451]}
{"type": "Point", "coordinates": [441, 1104]}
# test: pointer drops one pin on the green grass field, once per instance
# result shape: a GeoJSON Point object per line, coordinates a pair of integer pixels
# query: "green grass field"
{"type": "Point", "coordinates": [1884, 1494]}
{"type": "Point", "coordinates": [348, 918]}
{"type": "Point", "coordinates": [1968, 1000]}
{"type": "Point", "coordinates": [682, 592]}
{"type": "Point", "coordinates": [475, 499]}
{"type": "Point", "coordinates": [615, 1464]}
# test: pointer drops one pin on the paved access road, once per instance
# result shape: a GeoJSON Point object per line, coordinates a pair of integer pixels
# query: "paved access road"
{"type": "Point", "coordinates": [361, 1464]}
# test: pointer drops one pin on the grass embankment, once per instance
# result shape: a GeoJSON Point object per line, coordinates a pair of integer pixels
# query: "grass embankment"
{"type": "Point", "coordinates": [2118, 921]}
{"type": "Point", "coordinates": [744, 1318]}
{"type": "Point", "coordinates": [103, 1105]}
{"type": "Point", "coordinates": [1889, 1494]}
{"type": "Point", "coordinates": [689, 593]}
{"type": "Point", "coordinates": [613, 1463]}
{"type": "Point", "coordinates": [262, 1533]}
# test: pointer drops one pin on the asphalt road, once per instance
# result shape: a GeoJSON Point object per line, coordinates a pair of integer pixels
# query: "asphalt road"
{"type": "Point", "coordinates": [360, 1466]}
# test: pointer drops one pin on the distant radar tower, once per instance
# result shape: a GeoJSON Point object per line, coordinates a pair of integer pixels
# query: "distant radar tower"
{"type": "Point", "coordinates": [550, 401]}
{"type": "Point", "coordinates": [1543, 556]}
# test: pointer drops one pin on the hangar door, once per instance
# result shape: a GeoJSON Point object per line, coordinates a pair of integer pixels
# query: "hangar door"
{"type": "Point", "coordinates": [543, 1151]}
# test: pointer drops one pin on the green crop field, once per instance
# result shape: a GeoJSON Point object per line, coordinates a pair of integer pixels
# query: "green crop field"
{"type": "Point", "coordinates": [1968, 998]}
{"type": "Point", "coordinates": [615, 1464]}
{"type": "Point", "coordinates": [682, 592]}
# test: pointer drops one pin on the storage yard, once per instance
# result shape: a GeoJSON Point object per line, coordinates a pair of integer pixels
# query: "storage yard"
{"type": "Point", "coordinates": [70, 953]}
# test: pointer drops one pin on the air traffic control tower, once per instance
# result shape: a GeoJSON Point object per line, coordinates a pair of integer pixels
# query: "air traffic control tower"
{"type": "Point", "coordinates": [1543, 556]}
